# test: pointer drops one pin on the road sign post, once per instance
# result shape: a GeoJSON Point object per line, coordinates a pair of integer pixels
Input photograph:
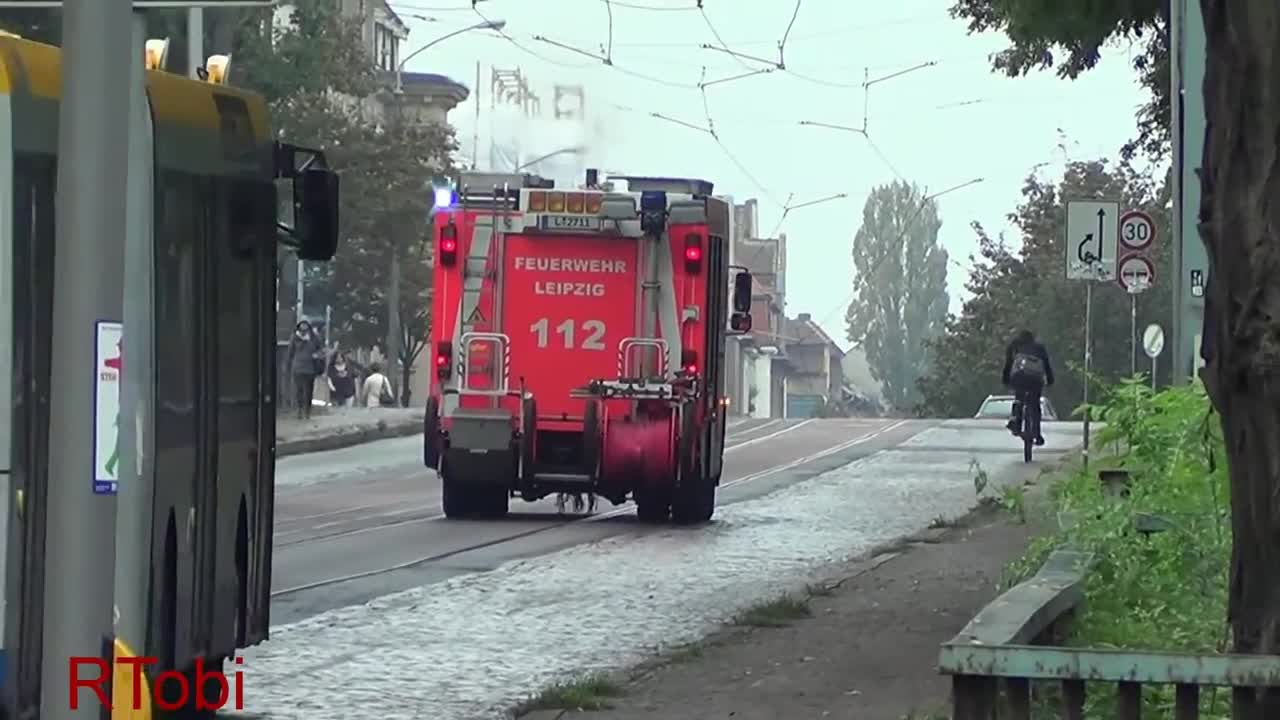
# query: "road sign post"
{"type": "Point", "coordinates": [1152, 345]}
{"type": "Point", "coordinates": [1093, 231]}
{"type": "Point", "coordinates": [1092, 239]}
{"type": "Point", "coordinates": [1135, 272]}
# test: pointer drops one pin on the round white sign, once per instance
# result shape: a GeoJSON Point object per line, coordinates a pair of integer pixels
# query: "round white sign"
{"type": "Point", "coordinates": [1137, 230]}
{"type": "Point", "coordinates": [1137, 273]}
{"type": "Point", "coordinates": [1153, 340]}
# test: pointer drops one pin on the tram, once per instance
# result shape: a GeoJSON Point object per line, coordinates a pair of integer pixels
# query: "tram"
{"type": "Point", "coordinates": [208, 434]}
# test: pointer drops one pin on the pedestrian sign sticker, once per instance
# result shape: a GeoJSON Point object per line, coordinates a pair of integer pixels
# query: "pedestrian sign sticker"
{"type": "Point", "coordinates": [106, 407]}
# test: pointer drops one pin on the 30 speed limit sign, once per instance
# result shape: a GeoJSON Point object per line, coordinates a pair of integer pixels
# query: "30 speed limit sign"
{"type": "Point", "coordinates": [1137, 230]}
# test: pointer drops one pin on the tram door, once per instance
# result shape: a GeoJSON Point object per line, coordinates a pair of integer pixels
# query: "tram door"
{"type": "Point", "coordinates": [26, 260]}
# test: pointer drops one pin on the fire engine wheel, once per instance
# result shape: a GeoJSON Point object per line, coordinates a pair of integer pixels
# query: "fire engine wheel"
{"type": "Point", "coordinates": [694, 498]}
{"type": "Point", "coordinates": [653, 506]}
{"type": "Point", "coordinates": [591, 437]}
{"type": "Point", "coordinates": [431, 435]}
{"type": "Point", "coordinates": [528, 435]}
{"type": "Point", "coordinates": [460, 499]}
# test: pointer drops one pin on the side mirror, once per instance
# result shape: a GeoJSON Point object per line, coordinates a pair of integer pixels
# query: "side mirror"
{"type": "Point", "coordinates": [315, 212]}
{"type": "Point", "coordinates": [740, 323]}
{"type": "Point", "coordinates": [742, 287]}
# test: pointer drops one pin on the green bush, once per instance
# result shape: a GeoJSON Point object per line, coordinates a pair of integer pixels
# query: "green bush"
{"type": "Point", "coordinates": [1168, 590]}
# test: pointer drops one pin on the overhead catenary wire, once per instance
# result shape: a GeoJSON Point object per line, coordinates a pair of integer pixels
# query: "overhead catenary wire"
{"type": "Point", "coordinates": [608, 49]}
{"type": "Point", "coordinates": [762, 66]}
{"type": "Point", "coordinates": [716, 34]}
{"type": "Point", "coordinates": [515, 43]}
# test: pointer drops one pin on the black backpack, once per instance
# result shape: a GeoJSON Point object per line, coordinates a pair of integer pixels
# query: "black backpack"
{"type": "Point", "coordinates": [1027, 365]}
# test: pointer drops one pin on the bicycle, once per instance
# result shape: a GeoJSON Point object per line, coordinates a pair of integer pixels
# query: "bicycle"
{"type": "Point", "coordinates": [1029, 424]}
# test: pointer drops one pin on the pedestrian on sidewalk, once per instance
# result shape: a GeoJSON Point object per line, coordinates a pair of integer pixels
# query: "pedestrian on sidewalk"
{"type": "Point", "coordinates": [306, 362]}
{"type": "Point", "coordinates": [376, 391]}
{"type": "Point", "coordinates": [342, 382]}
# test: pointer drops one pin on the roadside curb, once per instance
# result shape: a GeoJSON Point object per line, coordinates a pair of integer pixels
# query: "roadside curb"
{"type": "Point", "coordinates": [344, 439]}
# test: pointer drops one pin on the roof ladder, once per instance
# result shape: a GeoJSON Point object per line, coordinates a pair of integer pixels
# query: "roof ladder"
{"type": "Point", "coordinates": [475, 269]}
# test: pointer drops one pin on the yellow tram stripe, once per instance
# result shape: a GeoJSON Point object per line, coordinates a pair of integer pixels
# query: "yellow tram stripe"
{"type": "Point", "coordinates": [176, 100]}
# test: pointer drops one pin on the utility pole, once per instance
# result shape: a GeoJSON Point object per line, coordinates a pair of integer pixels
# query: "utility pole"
{"type": "Point", "coordinates": [1190, 260]}
{"type": "Point", "coordinates": [137, 402]}
{"type": "Point", "coordinates": [88, 276]}
{"type": "Point", "coordinates": [195, 40]}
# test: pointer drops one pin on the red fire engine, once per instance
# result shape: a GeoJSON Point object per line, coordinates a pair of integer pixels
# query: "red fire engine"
{"type": "Point", "coordinates": [578, 337]}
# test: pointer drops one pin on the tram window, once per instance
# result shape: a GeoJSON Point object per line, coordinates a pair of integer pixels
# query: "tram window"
{"type": "Point", "coordinates": [28, 281]}
{"type": "Point", "coordinates": [181, 231]}
{"type": "Point", "coordinates": [235, 295]}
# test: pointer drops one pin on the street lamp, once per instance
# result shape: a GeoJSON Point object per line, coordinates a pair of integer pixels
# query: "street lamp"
{"type": "Point", "coordinates": [487, 25]}
{"type": "Point", "coordinates": [574, 150]}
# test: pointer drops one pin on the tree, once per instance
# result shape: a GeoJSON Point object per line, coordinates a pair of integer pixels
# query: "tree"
{"type": "Point", "coordinates": [900, 287]}
{"type": "Point", "coordinates": [1240, 227]}
{"type": "Point", "coordinates": [1079, 30]}
{"type": "Point", "coordinates": [1026, 287]}
{"type": "Point", "coordinates": [321, 86]}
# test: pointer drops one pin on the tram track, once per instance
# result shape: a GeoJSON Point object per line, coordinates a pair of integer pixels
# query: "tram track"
{"type": "Point", "coordinates": [555, 522]}
{"type": "Point", "coordinates": [392, 517]}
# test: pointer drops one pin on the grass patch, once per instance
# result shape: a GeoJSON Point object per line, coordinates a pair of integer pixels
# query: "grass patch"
{"type": "Point", "coordinates": [1166, 592]}
{"type": "Point", "coordinates": [814, 590]}
{"type": "Point", "coordinates": [941, 522]}
{"type": "Point", "coordinates": [779, 612]}
{"type": "Point", "coordinates": [593, 692]}
{"type": "Point", "coordinates": [686, 653]}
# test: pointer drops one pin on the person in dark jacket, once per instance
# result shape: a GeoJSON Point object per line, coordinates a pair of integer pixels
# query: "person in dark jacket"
{"type": "Point", "coordinates": [306, 361]}
{"type": "Point", "coordinates": [1027, 371]}
{"type": "Point", "coordinates": [342, 381]}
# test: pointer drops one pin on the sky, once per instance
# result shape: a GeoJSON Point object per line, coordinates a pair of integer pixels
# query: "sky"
{"type": "Point", "coordinates": [939, 126]}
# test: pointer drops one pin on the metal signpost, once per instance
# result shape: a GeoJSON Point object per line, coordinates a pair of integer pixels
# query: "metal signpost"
{"type": "Point", "coordinates": [1153, 345]}
{"type": "Point", "coordinates": [1093, 229]}
{"type": "Point", "coordinates": [1137, 273]}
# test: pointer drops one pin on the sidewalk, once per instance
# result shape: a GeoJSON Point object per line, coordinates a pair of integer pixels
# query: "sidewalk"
{"type": "Point", "coordinates": [332, 428]}
{"type": "Point", "coordinates": [867, 651]}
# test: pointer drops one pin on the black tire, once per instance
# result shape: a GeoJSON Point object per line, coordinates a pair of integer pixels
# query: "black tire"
{"type": "Point", "coordinates": [591, 437]}
{"type": "Point", "coordinates": [455, 501]}
{"type": "Point", "coordinates": [529, 431]}
{"type": "Point", "coordinates": [495, 501]}
{"type": "Point", "coordinates": [431, 434]}
{"type": "Point", "coordinates": [653, 507]}
{"type": "Point", "coordinates": [1028, 432]}
{"type": "Point", "coordinates": [694, 500]}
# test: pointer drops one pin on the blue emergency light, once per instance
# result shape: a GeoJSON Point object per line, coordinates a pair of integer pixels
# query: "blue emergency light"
{"type": "Point", "coordinates": [653, 211]}
{"type": "Point", "coordinates": [444, 197]}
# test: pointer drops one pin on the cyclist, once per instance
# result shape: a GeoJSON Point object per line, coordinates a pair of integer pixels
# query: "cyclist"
{"type": "Point", "coordinates": [1026, 371]}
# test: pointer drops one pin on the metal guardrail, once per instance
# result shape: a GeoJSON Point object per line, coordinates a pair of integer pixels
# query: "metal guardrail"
{"type": "Point", "coordinates": [1010, 644]}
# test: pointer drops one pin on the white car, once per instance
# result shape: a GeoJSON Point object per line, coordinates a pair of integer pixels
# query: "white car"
{"type": "Point", "coordinates": [1001, 406]}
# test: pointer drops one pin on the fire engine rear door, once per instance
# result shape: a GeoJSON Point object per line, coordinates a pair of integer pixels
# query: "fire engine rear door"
{"type": "Point", "coordinates": [568, 301]}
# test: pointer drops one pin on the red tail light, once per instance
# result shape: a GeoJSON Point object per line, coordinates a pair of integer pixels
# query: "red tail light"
{"type": "Point", "coordinates": [689, 361]}
{"type": "Point", "coordinates": [693, 252]}
{"type": "Point", "coordinates": [449, 245]}
{"type": "Point", "coordinates": [444, 359]}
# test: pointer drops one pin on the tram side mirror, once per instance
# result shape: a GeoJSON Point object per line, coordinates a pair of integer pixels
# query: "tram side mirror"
{"type": "Point", "coordinates": [315, 212]}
